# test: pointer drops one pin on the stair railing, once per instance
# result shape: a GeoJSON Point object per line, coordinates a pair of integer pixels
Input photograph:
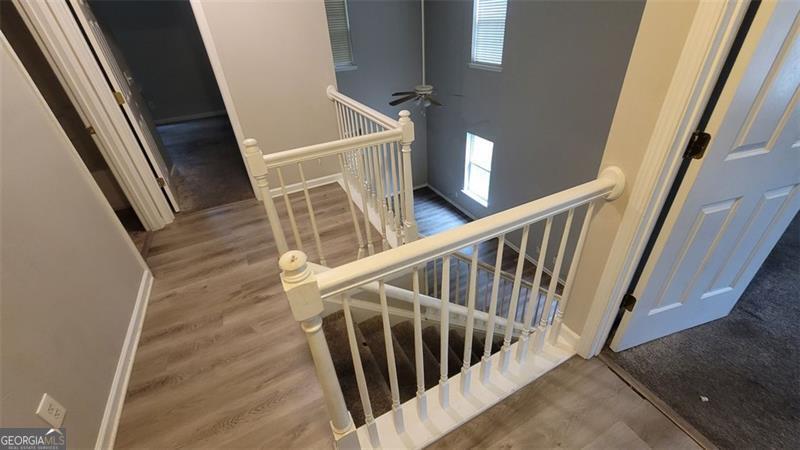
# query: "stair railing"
{"type": "Point", "coordinates": [540, 332]}
{"type": "Point", "coordinates": [374, 158]}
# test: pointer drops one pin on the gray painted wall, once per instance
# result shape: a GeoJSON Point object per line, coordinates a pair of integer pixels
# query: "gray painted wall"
{"type": "Point", "coordinates": [70, 274]}
{"type": "Point", "coordinates": [164, 51]}
{"type": "Point", "coordinates": [385, 39]}
{"type": "Point", "coordinates": [548, 111]}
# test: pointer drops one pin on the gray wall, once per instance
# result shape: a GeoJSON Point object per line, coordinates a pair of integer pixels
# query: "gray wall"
{"type": "Point", "coordinates": [70, 274]}
{"type": "Point", "coordinates": [548, 111]}
{"type": "Point", "coordinates": [385, 39]}
{"type": "Point", "coordinates": [163, 49]}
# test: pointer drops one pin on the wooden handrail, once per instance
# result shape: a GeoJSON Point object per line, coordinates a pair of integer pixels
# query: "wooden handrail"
{"type": "Point", "coordinates": [331, 148]}
{"type": "Point", "coordinates": [348, 276]}
{"type": "Point", "coordinates": [377, 116]}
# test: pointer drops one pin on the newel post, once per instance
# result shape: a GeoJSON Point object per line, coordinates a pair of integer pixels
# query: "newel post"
{"type": "Point", "coordinates": [302, 290]}
{"type": "Point", "coordinates": [258, 169]}
{"type": "Point", "coordinates": [410, 224]}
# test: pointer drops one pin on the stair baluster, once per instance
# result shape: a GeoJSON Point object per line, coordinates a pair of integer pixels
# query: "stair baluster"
{"type": "Point", "coordinates": [444, 331]}
{"type": "Point", "coordinates": [573, 267]}
{"type": "Point", "coordinates": [473, 274]}
{"type": "Point", "coordinates": [422, 400]}
{"type": "Point", "coordinates": [397, 410]}
{"type": "Point", "coordinates": [551, 290]}
{"type": "Point", "coordinates": [512, 308]}
{"type": "Point", "coordinates": [533, 302]}
{"type": "Point", "coordinates": [361, 380]}
{"type": "Point", "coordinates": [486, 364]}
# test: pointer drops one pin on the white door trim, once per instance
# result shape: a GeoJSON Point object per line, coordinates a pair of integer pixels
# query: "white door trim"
{"type": "Point", "coordinates": [219, 74]}
{"type": "Point", "coordinates": [63, 44]}
{"type": "Point", "coordinates": [711, 34]}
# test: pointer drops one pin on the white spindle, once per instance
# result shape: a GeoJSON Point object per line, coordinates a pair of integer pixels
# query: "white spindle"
{"type": "Point", "coordinates": [435, 280]}
{"type": "Point", "coordinates": [444, 329]}
{"type": "Point", "coordinates": [422, 401]}
{"type": "Point", "coordinates": [473, 274]}
{"type": "Point", "coordinates": [390, 360]}
{"type": "Point", "coordinates": [360, 163]}
{"type": "Point", "coordinates": [396, 188]}
{"type": "Point", "coordinates": [289, 210]}
{"type": "Point", "coordinates": [512, 307]}
{"type": "Point", "coordinates": [551, 290]}
{"type": "Point", "coordinates": [361, 380]}
{"type": "Point", "coordinates": [352, 207]}
{"type": "Point", "coordinates": [380, 197]}
{"type": "Point", "coordinates": [311, 216]}
{"type": "Point", "coordinates": [486, 365]}
{"type": "Point", "coordinates": [533, 301]}
{"type": "Point", "coordinates": [573, 267]}
{"type": "Point", "coordinates": [258, 170]}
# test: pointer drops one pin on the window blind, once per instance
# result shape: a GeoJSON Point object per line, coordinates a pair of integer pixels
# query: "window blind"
{"type": "Point", "coordinates": [488, 31]}
{"type": "Point", "coordinates": [339, 29]}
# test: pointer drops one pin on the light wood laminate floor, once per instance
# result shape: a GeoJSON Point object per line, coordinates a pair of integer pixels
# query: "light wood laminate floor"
{"type": "Point", "coordinates": [222, 364]}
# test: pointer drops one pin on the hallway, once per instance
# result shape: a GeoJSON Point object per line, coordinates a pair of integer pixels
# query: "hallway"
{"type": "Point", "coordinates": [208, 169]}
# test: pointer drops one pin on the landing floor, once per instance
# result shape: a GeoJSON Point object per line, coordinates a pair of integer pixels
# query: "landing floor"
{"type": "Point", "coordinates": [222, 364]}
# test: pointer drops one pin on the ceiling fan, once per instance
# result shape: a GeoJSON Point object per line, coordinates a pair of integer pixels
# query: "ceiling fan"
{"type": "Point", "coordinates": [422, 93]}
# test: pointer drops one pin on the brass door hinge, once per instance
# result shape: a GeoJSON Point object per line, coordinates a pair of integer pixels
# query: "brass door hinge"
{"type": "Point", "coordinates": [119, 97]}
{"type": "Point", "coordinates": [161, 181]}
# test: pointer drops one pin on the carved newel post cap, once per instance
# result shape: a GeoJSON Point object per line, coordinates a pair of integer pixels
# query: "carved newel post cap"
{"type": "Point", "coordinates": [293, 264]}
{"type": "Point", "coordinates": [250, 142]}
{"type": "Point", "coordinates": [405, 113]}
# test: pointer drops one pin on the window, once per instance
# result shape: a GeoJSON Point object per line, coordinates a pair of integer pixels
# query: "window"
{"type": "Point", "coordinates": [478, 168]}
{"type": "Point", "coordinates": [488, 32]}
{"type": "Point", "coordinates": [339, 30]}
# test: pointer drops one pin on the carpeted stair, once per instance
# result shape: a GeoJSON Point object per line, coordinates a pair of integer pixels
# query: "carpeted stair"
{"type": "Point", "coordinates": [369, 334]}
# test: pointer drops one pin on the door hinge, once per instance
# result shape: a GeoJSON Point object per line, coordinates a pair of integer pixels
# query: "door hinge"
{"type": "Point", "coordinates": [628, 302]}
{"type": "Point", "coordinates": [91, 130]}
{"type": "Point", "coordinates": [161, 181]}
{"type": "Point", "coordinates": [119, 97]}
{"type": "Point", "coordinates": [698, 144]}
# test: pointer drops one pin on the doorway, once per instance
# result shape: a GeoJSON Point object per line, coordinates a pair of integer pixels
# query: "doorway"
{"type": "Point", "coordinates": [158, 48]}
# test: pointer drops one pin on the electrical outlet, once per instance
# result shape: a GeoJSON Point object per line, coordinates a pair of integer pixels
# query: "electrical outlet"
{"type": "Point", "coordinates": [51, 411]}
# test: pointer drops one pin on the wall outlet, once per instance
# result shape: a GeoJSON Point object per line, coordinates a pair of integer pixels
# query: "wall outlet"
{"type": "Point", "coordinates": [51, 411]}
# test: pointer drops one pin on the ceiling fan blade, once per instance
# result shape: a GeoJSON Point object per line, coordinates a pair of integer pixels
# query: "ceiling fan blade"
{"type": "Point", "coordinates": [432, 100]}
{"type": "Point", "coordinates": [403, 93]}
{"type": "Point", "coordinates": [402, 100]}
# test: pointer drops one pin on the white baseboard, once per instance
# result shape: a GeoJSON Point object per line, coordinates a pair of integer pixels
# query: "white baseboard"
{"type": "Point", "coordinates": [190, 117]}
{"type": "Point", "coordinates": [312, 183]}
{"type": "Point", "coordinates": [116, 396]}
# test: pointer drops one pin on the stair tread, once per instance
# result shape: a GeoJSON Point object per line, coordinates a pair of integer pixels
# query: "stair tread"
{"type": "Point", "coordinates": [431, 337]}
{"type": "Point", "coordinates": [456, 342]}
{"type": "Point", "coordinates": [406, 378]}
{"type": "Point", "coordinates": [335, 329]}
{"type": "Point", "coordinates": [404, 332]}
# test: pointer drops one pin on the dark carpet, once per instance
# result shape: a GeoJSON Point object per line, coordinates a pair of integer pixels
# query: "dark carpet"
{"type": "Point", "coordinates": [737, 379]}
{"type": "Point", "coordinates": [208, 168]}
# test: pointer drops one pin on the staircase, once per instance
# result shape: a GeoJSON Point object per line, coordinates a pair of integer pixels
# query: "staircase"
{"type": "Point", "coordinates": [369, 335]}
{"type": "Point", "coordinates": [416, 335]}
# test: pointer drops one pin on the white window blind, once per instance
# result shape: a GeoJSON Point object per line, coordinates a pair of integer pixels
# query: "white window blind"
{"type": "Point", "coordinates": [488, 31]}
{"type": "Point", "coordinates": [339, 29]}
{"type": "Point", "coordinates": [478, 168]}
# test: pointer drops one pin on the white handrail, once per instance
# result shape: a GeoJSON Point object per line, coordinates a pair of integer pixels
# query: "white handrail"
{"type": "Point", "coordinates": [315, 151]}
{"type": "Point", "coordinates": [379, 117]}
{"type": "Point", "coordinates": [348, 276]}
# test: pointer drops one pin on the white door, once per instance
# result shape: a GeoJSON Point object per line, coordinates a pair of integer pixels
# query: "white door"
{"type": "Point", "coordinates": [737, 201]}
{"type": "Point", "coordinates": [132, 103]}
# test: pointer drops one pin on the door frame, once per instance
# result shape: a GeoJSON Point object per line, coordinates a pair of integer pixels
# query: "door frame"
{"type": "Point", "coordinates": [63, 44]}
{"type": "Point", "coordinates": [711, 34]}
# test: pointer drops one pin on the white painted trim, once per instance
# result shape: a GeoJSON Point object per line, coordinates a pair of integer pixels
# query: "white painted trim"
{"type": "Point", "coordinates": [190, 117]}
{"type": "Point", "coordinates": [64, 46]}
{"type": "Point", "coordinates": [219, 74]}
{"type": "Point", "coordinates": [373, 215]}
{"type": "Point", "coordinates": [116, 396]}
{"type": "Point", "coordinates": [312, 183]}
{"type": "Point", "coordinates": [712, 31]}
{"type": "Point", "coordinates": [462, 408]}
